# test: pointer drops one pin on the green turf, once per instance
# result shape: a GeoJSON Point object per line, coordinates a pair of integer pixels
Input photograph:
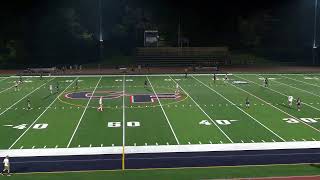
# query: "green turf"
{"type": "Point", "coordinates": [76, 122]}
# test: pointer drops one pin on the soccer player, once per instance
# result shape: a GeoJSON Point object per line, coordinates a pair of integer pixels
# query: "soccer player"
{"type": "Point", "coordinates": [299, 104]}
{"type": "Point", "coordinates": [247, 103]}
{"type": "Point", "coordinates": [16, 86]}
{"type": "Point", "coordinates": [226, 77]}
{"type": "Point", "coordinates": [41, 76]}
{"type": "Point", "coordinates": [177, 89]}
{"type": "Point", "coordinates": [77, 84]}
{"type": "Point", "coordinates": [51, 88]}
{"type": "Point", "coordinates": [29, 104]}
{"type": "Point", "coordinates": [214, 78]}
{"type": "Point", "coordinates": [225, 80]}
{"type": "Point", "coordinates": [57, 86]}
{"type": "Point", "coordinates": [290, 99]}
{"type": "Point", "coordinates": [6, 166]}
{"type": "Point", "coordinates": [145, 84]}
{"type": "Point", "coordinates": [20, 79]}
{"type": "Point", "coordinates": [266, 82]}
{"type": "Point", "coordinates": [100, 108]}
{"type": "Point", "coordinates": [186, 73]}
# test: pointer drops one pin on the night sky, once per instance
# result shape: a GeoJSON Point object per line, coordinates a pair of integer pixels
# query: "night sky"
{"type": "Point", "coordinates": [60, 29]}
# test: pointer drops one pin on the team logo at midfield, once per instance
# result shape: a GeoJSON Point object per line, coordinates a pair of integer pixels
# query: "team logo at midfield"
{"type": "Point", "coordinates": [96, 95]}
{"type": "Point", "coordinates": [134, 98]}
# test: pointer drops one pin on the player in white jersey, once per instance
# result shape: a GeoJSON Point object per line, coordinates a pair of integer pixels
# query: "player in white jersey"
{"type": "Point", "coordinates": [290, 99]}
{"type": "Point", "coordinates": [177, 89]}
{"type": "Point", "coordinates": [51, 88]}
{"type": "Point", "coordinates": [100, 108]}
{"type": "Point", "coordinates": [6, 166]}
{"type": "Point", "coordinates": [16, 86]}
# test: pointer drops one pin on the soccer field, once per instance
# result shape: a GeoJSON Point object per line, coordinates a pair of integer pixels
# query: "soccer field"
{"type": "Point", "coordinates": [203, 111]}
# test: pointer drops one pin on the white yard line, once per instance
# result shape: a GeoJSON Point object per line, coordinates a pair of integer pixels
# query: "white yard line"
{"type": "Point", "coordinates": [9, 87]}
{"type": "Point", "coordinates": [165, 115]}
{"type": "Point", "coordinates": [24, 97]}
{"type": "Point", "coordinates": [40, 115]}
{"type": "Point", "coordinates": [123, 114]}
{"type": "Point", "coordinates": [204, 112]}
{"type": "Point", "coordinates": [296, 88]}
{"type": "Point", "coordinates": [300, 81]}
{"type": "Point", "coordinates": [240, 108]}
{"type": "Point", "coordinates": [275, 106]}
{"type": "Point", "coordinates": [84, 111]}
{"type": "Point", "coordinates": [288, 95]}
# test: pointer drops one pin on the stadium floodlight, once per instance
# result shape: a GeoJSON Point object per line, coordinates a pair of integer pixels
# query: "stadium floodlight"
{"type": "Point", "coordinates": [315, 32]}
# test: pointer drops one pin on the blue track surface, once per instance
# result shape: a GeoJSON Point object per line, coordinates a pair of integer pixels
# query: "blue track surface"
{"type": "Point", "coordinates": [164, 160]}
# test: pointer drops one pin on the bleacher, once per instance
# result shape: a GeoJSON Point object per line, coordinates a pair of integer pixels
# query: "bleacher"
{"type": "Point", "coordinates": [185, 56]}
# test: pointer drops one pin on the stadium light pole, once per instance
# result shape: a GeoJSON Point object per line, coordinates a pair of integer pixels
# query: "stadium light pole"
{"type": "Point", "coordinates": [314, 48]}
{"type": "Point", "coordinates": [100, 31]}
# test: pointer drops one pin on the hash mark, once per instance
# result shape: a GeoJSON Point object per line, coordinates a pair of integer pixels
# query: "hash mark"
{"type": "Point", "coordinates": [263, 141]}
{"type": "Point", "coordinates": [273, 140]}
{"type": "Point", "coordinates": [33, 147]}
{"type": "Point", "coordinates": [56, 146]}
{"type": "Point", "coordinates": [314, 139]}
{"type": "Point", "coordinates": [189, 143]}
{"type": "Point", "coordinates": [101, 145]}
{"type": "Point", "coordinates": [21, 147]}
{"type": "Point", "coordinates": [145, 144]}
{"type": "Point", "coordinates": [221, 142]}
{"type": "Point", "coordinates": [90, 145]}
{"type": "Point", "coordinates": [303, 140]}
{"type": "Point", "coordinates": [252, 141]}
{"type": "Point", "coordinates": [200, 142]}
{"type": "Point", "coordinates": [242, 141]}
{"type": "Point", "coordinates": [293, 139]}
{"type": "Point", "coordinates": [167, 143]}
{"type": "Point", "coordinates": [210, 142]}
{"type": "Point", "coordinates": [45, 147]}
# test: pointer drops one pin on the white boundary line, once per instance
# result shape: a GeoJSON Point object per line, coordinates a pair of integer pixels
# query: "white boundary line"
{"type": "Point", "coordinates": [84, 111]}
{"type": "Point", "coordinates": [168, 74]}
{"type": "Point", "coordinates": [240, 109]}
{"type": "Point", "coordinates": [204, 112]}
{"type": "Point", "coordinates": [4, 78]}
{"type": "Point", "coordinates": [41, 115]}
{"type": "Point", "coordinates": [25, 97]}
{"type": "Point", "coordinates": [300, 81]}
{"type": "Point", "coordinates": [160, 149]}
{"type": "Point", "coordinates": [165, 115]}
{"type": "Point", "coordinates": [275, 106]}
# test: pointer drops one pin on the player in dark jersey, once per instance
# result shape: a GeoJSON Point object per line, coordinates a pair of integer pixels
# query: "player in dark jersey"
{"type": "Point", "coordinates": [77, 84]}
{"type": "Point", "coordinates": [299, 104]}
{"type": "Point", "coordinates": [185, 73]}
{"type": "Point", "coordinates": [214, 78]}
{"type": "Point", "coordinates": [247, 103]}
{"type": "Point", "coordinates": [266, 82]}
{"type": "Point", "coordinates": [145, 84]}
{"type": "Point", "coordinates": [28, 104]}
{"type": "Point", "coordinates": [57, 87]}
